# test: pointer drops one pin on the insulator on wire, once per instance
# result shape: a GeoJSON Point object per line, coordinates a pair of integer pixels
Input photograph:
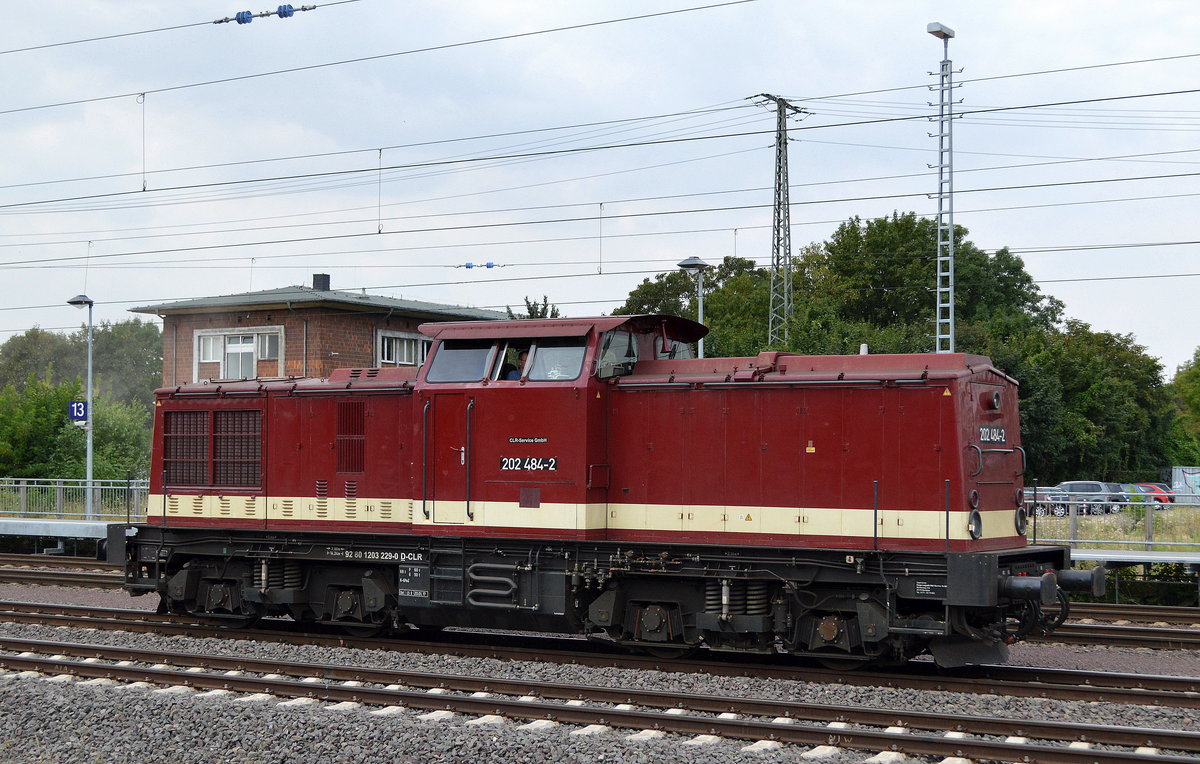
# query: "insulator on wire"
{"type": "Point", "coordinates": [243, 17]}
{"type": "Point", "coordinates": [285, 11]}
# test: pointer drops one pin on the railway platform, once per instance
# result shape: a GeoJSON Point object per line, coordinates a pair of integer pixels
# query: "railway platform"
{"type": "Point", "coordinates": [53, 528]}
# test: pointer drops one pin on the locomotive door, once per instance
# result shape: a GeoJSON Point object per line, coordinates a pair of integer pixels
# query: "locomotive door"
{"type": "Point", "coordinates": [447, 458]}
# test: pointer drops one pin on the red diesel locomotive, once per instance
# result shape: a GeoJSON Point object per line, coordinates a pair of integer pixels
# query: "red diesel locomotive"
{"type": "Point", "coordinates": [588, 475]}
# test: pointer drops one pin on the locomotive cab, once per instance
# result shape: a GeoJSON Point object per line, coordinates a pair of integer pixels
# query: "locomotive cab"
{"type": "Point", "coordinates": [513, 419]}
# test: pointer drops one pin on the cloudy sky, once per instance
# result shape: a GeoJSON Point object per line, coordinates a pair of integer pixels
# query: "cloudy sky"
{"type": "Point", "coordinates": [582, 146]}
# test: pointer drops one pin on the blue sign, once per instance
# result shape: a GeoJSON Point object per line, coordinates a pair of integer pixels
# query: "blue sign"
{"type": "Point", "coordinates": [77, 411]}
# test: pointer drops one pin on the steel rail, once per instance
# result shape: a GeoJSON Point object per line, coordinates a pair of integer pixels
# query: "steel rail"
{"type": "Point", "coordinates": [1013, 681]}
{"type": "Point", "coordinates": [744, 729]}
{"type": "Point", "coordinates": [1131, 612]}
{"type": "Point", "coordinates": [55, 562]}
{"type": "Point", "coordinates": [62, 578]}
{"type": "Point", "coordinates": [1125, 636]}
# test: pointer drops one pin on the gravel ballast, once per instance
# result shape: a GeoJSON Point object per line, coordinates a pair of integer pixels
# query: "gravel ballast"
{"type": "Point", "coordinates": [47, 721]}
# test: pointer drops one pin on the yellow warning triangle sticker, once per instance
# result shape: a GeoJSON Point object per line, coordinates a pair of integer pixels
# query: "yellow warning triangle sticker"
{"type": "Point", "coordinates": [947, 393]}
{"type": "Point", "coordinates": [749, 518]}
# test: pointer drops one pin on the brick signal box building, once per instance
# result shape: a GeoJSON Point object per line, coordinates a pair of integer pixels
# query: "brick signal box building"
{"type": "Point", "coordinates": [296, 331]}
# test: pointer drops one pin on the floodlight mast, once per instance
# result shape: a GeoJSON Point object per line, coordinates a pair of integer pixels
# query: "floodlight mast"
{"type": "Point", "coordinates": [944, 315]}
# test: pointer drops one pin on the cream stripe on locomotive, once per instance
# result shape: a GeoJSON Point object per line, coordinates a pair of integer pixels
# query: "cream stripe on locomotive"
{"type": "Point", "coordinates": [282, 508]}
{"type": "Point", "coordinates": [811, 521]}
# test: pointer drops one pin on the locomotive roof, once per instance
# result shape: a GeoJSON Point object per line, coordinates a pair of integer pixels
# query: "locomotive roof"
{"type": "Point", "coordinates": [677, 328]}
{"type": "Point", "coordinates": [782, 367]}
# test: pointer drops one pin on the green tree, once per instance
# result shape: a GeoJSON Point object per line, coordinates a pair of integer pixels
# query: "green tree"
{"type": "Point", "coordinates": [126, 359]}
{"type": "Point", "coordinates": [1184, 441]}
{"type": "Point", "coordinates": [881, 270]}
{"type": "Point", "coordinates": [121, 444]}
{"type": "Point", "coordinates": [736, 301]}
{"type": "Point", "coordinates": [36, 354]}
{"type": "Point", "coordinates": [534, 309]}
{"type": "Point", "coordinates": [30, 420]}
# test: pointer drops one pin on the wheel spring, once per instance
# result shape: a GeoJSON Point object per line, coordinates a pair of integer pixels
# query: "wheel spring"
{"type": "Point", "coordinates": [293, 575]}
{"type": "Point", "coordinates": [737, 597]}
{"type": "Point", "coordinates": [758, 598]}
{"type": "Point", "coordinates": [281, 574]}
{"type": "Point", "coordinates": [712, 596]}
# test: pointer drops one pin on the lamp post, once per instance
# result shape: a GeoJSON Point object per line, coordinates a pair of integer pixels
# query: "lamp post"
{"type": "Point", "coordinates": [81, 301]}
{"type": "Point", "coordinates": [694, 263]}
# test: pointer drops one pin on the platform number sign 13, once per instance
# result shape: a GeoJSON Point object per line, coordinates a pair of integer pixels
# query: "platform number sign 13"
{"type": "Point", "coordinates": [77, 411]}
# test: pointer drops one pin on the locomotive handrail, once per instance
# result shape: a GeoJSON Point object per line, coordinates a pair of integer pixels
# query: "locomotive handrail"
{"type": "Point", "coordinates": [467, 457]}
{"type": "Point", "coordinates": [1015, 449]}
{"type": "Point", "coordinates": [425, 457]}
{"type": "Point", "coordinates": [778, 383]}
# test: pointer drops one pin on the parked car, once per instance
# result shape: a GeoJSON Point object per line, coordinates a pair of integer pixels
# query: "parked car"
{"type": "Point", "coordinates": [1093, 497]}
{"type": "Point", "coordinates": [1157, 491]}
{"type": "Point", "coordinates": [1047, 501]}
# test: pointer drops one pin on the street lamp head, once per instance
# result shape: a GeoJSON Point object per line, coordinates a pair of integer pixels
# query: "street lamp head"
{"type": "Point", "coordinates": [694, 263]}
{"type": "Point", "coordinates": [940, 31]}
{"type": "Point", "coordinates": [80, 301]}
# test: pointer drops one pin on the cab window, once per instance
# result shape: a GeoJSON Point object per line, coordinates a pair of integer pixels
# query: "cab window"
{"type": "Point", "coordinates": [618, 354]}
{"type": "Point", "coordinates": [555, 359]}
{"type": "Point", "coordinates": [674, 349]}
{"type": "Point", "coordinates": [461, 361]}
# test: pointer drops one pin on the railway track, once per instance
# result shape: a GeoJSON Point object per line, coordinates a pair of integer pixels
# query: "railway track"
{"type": "Point", "coordinates": [1139, 613]}
{"type": "Point", "coordinates": [56, 562]}
{"type": "Point", "coordinates": [89, 579]}
{"type": "Point", "coordinates": [1014, 681]}
{"type": "Point", "coordinates": [737, 718]}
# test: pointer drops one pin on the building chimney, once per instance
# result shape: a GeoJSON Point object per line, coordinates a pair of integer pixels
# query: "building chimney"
{"type": "Point", "coordinates": [321, 282]}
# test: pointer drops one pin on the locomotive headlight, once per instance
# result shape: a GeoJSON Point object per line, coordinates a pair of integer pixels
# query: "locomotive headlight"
{"type": "Point", "coordinates": [975, 524]}
{"type": "Point", "coordinates": [1021, 521]}
{"type": "Point", "coordinates": [990, 401]}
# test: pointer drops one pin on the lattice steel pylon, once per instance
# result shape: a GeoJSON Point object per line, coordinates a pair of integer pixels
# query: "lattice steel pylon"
{"type": "Point", "coordinates": [944, 316]}
{"type": "Point", "coordinates": [781, 237]}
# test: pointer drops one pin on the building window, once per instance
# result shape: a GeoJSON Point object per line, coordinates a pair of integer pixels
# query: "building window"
{"type": "Point", "coordinates": [210, 348]}
{"type": "Point", "coordinates": [237, 352]}
{"type": "Point", "coordinates": [400, 349]}
{"type": "Point", "coordinates": [239, 358]}
{"type": "Point", "coordinates": [268, 347]}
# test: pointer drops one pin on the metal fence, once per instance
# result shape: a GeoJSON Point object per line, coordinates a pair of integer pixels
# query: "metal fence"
{"type": "Point", "coordinates": [1142, 523]}
{"type": "Point", "coordinates": [112, 500]}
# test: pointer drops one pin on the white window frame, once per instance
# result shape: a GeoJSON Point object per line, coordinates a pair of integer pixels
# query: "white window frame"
{"type": "Point", "coordinates": [421, 345]}
{"type": "Point", "coordinates": [210, 348]}
{"type": "Point", "coordinates": [200, 340]}
{"type": "Point", "coordinates": [262, 345]}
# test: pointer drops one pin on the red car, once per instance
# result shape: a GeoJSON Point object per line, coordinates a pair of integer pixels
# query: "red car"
{"type": "Point", "coordinates": [1160, 493]}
